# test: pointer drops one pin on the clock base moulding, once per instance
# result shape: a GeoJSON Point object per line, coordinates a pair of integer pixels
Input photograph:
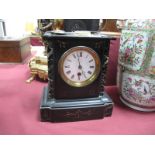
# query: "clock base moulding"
{"type": "Point", "coordinates": [53, 110]}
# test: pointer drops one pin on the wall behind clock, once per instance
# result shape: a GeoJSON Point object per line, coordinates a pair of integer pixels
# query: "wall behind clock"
{"type": "Point", "coordinates": [20, 27]}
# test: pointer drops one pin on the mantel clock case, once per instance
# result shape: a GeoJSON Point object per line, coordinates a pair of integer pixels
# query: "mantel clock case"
{"type": "Point", "coordinates": [76, 74]}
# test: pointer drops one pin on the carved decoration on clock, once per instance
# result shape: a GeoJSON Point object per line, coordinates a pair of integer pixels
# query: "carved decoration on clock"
{"type": "Point", "coordinates": [51, 73]}
{"type": "Point", "coordinates": [103, 73]}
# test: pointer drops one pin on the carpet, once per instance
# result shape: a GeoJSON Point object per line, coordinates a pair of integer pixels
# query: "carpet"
{"type": "Point", "coordinates": [19, 110]}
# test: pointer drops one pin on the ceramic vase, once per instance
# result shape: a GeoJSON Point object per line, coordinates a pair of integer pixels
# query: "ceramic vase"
{"type": "Point", "coordinates": [136, 65]}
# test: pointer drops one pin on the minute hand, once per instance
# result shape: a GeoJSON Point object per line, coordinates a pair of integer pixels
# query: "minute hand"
{"type": "Point", "coordinates": [80, 67]}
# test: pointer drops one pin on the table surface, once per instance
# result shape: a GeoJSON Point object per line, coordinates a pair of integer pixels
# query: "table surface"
{"type": "Point", "coordinates": [20, 102]}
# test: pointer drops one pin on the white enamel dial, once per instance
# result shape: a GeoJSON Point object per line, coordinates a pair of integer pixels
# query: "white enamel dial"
{"type": "Point", "coordinates": [79, 66]}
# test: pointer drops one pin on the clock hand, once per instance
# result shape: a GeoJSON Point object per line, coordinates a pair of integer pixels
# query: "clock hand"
{"type": "Point", "coordinates": [79, 74]}
{"type": "Point", "coordinates": [80, 67]}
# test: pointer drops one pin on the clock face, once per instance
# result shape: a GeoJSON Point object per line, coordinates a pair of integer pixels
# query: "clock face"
{"type": "Point", "coordinates": [79, 66]}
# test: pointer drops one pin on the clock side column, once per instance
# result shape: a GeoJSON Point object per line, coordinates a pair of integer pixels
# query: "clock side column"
{"type": "Point", "coordinates": [51, 73]}
{"type": "Point", "coordinates": [104, 64]}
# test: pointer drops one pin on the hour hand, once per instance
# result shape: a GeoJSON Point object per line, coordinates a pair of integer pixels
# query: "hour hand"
{"type": "Point", "coordinates": [79, 67]}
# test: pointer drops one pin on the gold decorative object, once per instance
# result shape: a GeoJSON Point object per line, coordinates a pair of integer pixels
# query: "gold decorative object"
{"type": "Point", "coordinates": [38, 67]}
{"type": "Point", "coordinates": [136, 64]}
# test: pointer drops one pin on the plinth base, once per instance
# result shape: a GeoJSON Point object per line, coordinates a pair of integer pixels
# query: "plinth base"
{"type": "Point", "coordinates": [53, 110]}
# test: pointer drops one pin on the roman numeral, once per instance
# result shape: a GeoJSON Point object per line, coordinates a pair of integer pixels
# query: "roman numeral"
{"type": "Point", "coordinates": [80, 54]}
{"type": "Point", "coordinates": [68, 72]}
{"type": "Point", "coordinates": [89, 72]}
{"type": "Point", "coordinates": [79, 74]}
{"type": "Point", "coordinates": [91, 66]}
{"type": "Point", "coordinates": [68, 66]}
{"type": "Point", "coordinates": [74, 56]}
{"type": "Point", "coordinates": [91, 60]}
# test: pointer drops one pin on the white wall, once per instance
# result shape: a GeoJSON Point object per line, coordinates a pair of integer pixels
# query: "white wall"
{"type": "Point", "coordinates": [19, 27]}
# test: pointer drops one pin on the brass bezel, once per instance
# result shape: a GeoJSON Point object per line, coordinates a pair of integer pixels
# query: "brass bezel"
{"type": "Point", "coordinates": [88, 81]}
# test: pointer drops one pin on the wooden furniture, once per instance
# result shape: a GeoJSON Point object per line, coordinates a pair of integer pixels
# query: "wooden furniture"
{"type": "Point", "coordinates": [14, 50]}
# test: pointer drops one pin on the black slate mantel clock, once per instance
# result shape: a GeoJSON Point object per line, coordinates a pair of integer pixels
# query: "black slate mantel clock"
{"type": "Point", "coordinates": [76, 72]}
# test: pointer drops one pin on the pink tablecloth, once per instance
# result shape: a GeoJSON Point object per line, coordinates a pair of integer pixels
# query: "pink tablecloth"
{"type": "Point", "coordinates": [19, 110]}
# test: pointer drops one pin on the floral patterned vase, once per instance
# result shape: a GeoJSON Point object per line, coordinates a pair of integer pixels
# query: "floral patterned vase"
{"type": "Point", "coordinates": [136, 65]}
